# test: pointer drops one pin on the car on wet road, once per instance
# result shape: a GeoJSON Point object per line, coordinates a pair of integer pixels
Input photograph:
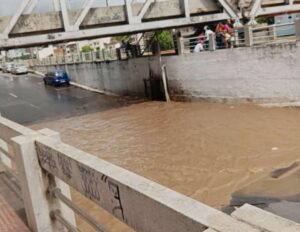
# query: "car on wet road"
{"type": "Point", "coordinates": [56, 78]}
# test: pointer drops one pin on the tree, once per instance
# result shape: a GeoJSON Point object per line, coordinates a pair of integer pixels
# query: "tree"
{"type": "Point", "coordinates": [266, 19]}
{"type": "Point", "coordinates": [120, 38]}
{"type": "Point", "coordinates": [165, 39]}
{"type": "Point", "coordinates": [86, 48]}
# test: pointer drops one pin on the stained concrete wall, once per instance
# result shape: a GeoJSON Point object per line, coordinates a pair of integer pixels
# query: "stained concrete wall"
{"type": "Point", "coordinates": [117, 77]}
{"type": "Point", "coordinates": [259, 74]}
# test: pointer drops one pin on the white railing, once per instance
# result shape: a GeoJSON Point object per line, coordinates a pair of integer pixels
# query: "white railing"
{"type": "Point", "coordinates": [273, 33]}
{"type": "Point", "coordinates": [242, 37]}
{"type": "Point", "coordinates": [47, 167]}
{"type": "Point", "coordinates": [73, 58]}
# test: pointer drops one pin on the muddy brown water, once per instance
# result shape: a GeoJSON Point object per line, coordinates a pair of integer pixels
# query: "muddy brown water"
{"type": "Point", "coordinates": [203, 150]}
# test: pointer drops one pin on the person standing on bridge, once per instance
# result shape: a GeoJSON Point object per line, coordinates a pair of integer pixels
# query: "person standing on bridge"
{"type": "Point", "coordinates": [208, 32]}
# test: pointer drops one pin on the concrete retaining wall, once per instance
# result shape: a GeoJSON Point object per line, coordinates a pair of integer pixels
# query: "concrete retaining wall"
{"type": "Point", "coordinates": [116, 77]}
{"type": "Point", "coordinates": [259, 74]}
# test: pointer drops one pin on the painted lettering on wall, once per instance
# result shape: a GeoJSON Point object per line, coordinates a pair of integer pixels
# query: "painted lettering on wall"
{"type": "Point", "coordinates": [89, 183]}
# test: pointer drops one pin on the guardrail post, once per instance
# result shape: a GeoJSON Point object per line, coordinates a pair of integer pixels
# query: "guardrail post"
{"type": "Point", "coordinates": [212, 42]}
{"type": "Point", "coordinates": [297, 28]}
{"type": "Point", "coordinates": [248, 36]}
{"type": "Point", "coordinates": [236, 38]}
{"type": "Point", "coordinates": [180, 45]}
{"type": "Point", "coordinates": [35, 184]}
{"type": "Point", "coordinates": [5, 160]}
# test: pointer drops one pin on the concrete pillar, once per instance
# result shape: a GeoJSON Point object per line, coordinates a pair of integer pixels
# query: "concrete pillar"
{"type": "Point", "coordinates": [297, 27]}
{"type": "Point", "coordinates": [180, 45]}
{"type": "Point", "coordinates": [273, 32]}
{"type": "Point", "coordinates": [212, 42]}
{"type": "Point", "coordinates": [236, 38]}
{"type": "Point", "coordinates": [35, 184]}
{"type": "Point", "coordinates": [248, 36]}
{"type": "Point", "coordinates": [66, 212]}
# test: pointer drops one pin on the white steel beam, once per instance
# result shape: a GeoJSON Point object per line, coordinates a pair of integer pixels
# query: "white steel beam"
{"type": "Point", "coordinates": [228, 8]}
{"type": "Point", "coordinates": [15, 17]}
{"type": "Point", "coordinates": [145, 8]}
{"type": "Point", "coordinates": [86, 7]}
{"type": "Point", "coordinates": [128, 6]}
{"type": "Point", "coordinates": [256, 6]}
{"type": "Point", "coordinates": [56, 5]}
{"type": "Point", "coordinates": [65, 15]}
{"type": "Point", "coordinates": [108, 31]}
{"type": "Point", "coordinates": [186, 7]}
{"type": "Point", "coordinates": [279, 9]}
{"type": "Point", "coordinates": [30, 7]}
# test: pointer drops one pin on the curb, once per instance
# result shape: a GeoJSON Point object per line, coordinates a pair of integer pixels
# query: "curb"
{"type": "Point", "coordinates": [79, 85]}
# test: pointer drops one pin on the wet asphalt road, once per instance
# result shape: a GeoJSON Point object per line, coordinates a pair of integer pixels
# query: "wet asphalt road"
{"type": "Point", "coordinates": [25, 99]}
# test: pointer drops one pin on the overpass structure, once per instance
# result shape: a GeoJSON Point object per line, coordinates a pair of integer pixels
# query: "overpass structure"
{"type": "Point", "coordinates": [25, 28]}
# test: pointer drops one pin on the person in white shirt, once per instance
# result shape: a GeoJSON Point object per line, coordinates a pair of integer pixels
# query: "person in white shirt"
{"type": "Point", "coordinates": [207, 32]}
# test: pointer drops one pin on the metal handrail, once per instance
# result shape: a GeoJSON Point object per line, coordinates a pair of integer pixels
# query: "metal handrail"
{"type": "Point", "coordinates": [273, 25]}
{"type": "Point", "coordinates": [56, 214]}
{"type": "Point", "coordinates": [58, 194]}
{"type": "Point", "coordinates": [6, 153]}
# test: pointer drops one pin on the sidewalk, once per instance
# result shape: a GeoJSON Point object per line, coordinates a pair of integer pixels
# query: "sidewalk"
{"type": "Point", "coordinates": [12, 213]}
{"type": "Point", "coordinates": [9, 220]}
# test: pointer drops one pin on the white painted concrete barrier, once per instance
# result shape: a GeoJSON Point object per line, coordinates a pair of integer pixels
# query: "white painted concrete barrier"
{"type": "Point", "coordinates": [265, 220]}
{"type": "Point", "coordinates": [45, 163]}
{"type": "Point", "coordinates": [138, 202]}
{"type": "Point", "coordinates": [32, 179]}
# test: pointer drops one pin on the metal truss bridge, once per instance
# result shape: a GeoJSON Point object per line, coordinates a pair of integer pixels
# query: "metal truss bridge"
{"type": "Point", "coordinates": [26, 27]}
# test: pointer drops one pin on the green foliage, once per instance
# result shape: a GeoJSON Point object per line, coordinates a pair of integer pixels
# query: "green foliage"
{"type": "Point", "coordinates": [86, 48]}
{"type": "Point", "coordinates": [165, 39]}
{"type": "Point", "coordinates": [265, 19]}
{"type": "Point", "coordinates": [123, 37]}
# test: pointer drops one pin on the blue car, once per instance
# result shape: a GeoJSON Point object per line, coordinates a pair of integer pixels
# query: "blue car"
{"type": "Point", "coordinates": [56, 78]}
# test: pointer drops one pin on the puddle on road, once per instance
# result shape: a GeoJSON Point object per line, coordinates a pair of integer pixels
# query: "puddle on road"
{"type": "Point", "coordinates": [204, 150]}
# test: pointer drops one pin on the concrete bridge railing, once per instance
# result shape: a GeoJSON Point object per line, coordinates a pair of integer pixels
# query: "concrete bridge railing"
{"type": "Point", "coordinates": [46, 167]}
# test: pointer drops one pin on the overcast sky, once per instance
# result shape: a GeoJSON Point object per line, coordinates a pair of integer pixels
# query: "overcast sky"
{"type": "Point", "coordinates": [8, 7]}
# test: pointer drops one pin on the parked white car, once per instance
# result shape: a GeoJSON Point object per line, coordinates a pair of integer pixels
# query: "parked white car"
{"type": "Point", "coordinates": [19, 69]}
{"type": "Point", "coordinates": [6, 68]}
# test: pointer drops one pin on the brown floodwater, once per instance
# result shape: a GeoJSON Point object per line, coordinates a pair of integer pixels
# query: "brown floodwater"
{"type": "Point", "coordinates": [203, 150]}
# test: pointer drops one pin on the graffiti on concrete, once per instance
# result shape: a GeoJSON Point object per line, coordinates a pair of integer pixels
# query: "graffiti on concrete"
{"type": "Point", "coordinates": [46, 158]}
{"type": "Point", "coordinates": [65, 165]}
{"type": "Point", "coordinates": [117, 209]}
{"type": "Point", "coordinates": [93, 184]}
{"type": "Point", "coordinates": [89, 183]}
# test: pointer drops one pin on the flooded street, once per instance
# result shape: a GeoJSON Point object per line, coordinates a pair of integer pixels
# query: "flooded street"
{"type": "Point", "coordinates": [203, 150]}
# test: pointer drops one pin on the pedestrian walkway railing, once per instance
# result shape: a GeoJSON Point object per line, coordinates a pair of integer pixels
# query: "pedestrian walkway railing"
{"type": "Point", "coordinates": [273, 33]}
{"type": "Point", "coordinates": [247, 36]}
{"type": "Point", "coordinates": [74, 58]}
{"type": "Point", "coordinates": [47, 167]}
